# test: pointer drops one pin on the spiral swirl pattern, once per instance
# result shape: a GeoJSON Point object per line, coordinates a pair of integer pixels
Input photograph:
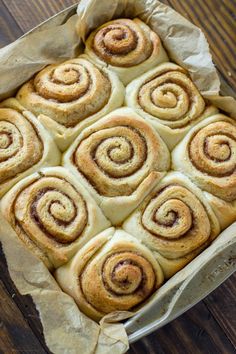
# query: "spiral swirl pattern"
{"type": "Point", "coordinates": [208, 156]}
{"type": "Point", "coordinates": [113, 272]}
{"type": "Point", "coordinates": [123, 42]}
{"type": "Point", "coordinates": [177, 220]}
{"type": "Point", "coordinates": [168, 95]}
{"type": "Point", "coordinates": [118, 153]}
{"type": "Point", "coordinates": [51, 212]}
{"type": "Point", "coordinates": [64, 83]}
{"type": "Point", "coordinates": [213, 150]}
{"type": "Point", "coordinates": [124, 280]}
{"type": "Point", "coordinates": [20, 144]}
{"type": "Point", "coordinates": [68, 92]}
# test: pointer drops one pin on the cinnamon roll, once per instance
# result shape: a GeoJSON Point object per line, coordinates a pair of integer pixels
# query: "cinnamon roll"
{"type": "Point", "coordinates": [25, 145]}
{"type": "Point", "coordinates": [127, 47]}
{"type": "Point", "coordinates": [207, 155]}
{"type": "Point", "coordinates": [119, 160]}
{"type": "Point", "coordinates": [69, 96]}
{"type": "Point", "coordinates": [174, 221]}
{"type": "Point", "coordinates": [113, 272]}
{"type": "Point", "coordinates": [225, 211]}
{"type": "Point", "coordinates": [52, 215]}
{"type": "Point", "coordinates": [168, 99]}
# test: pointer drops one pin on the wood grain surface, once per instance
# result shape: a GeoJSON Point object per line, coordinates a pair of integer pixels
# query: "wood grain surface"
{"type": "Point", "coordinates": [209, 327]}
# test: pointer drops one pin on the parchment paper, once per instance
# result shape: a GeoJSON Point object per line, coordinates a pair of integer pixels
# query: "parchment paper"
{"type": "Point", "coordinates": [185, 43]}
{"type": "Point", "coordinates": [66, 329]}
{"type": "Point", "coordinates": [26, 56]}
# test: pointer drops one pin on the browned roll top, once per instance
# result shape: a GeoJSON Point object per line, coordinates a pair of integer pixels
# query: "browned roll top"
{"type": "Point", "coordinates": [117, 155]}
{"type": "Point", "coordinates": [170, 96]}
{"type": "Point", "coordinates": [112, 272]}
{"type": "Point", "coordinates": [68, 92]}
{"type": "Point", "coordinates": [20, 144]}
{"type": "Point", "coordinates": [120, 281]}
{"type": "Point", "coordinates": [207, 154]}
{"type": "Point", "coordinates": [123, 42]}
{"type": "Point", "coordinates": [178, 221]}
{"type": "Point", "coordinates": [212, 149]}
{"type": "Point", "coordinates": [51, 208]}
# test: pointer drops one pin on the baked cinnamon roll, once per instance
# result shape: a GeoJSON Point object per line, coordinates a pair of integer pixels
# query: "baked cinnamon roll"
{"type": "Point", "coordinates": [207, 155]}
{"type": "Point", "coordinates": [112, 272]}
{"type": "Point", "coordinates": [174, 221]}
{"type": "Point", "coordinates": [25, 145]}
{"type": "Point", "coordinates": [225, 211]}
{"type": "Point", "coordinates": [119, 160]}
{"type": "Point", "coordinates": [168, 99]}
{"type": "Point", "coordinates": [69, 96]}
{"type": "Point", "coordinates": [52, 215]}
{"type": "Point", "coordinates": [127, 47]}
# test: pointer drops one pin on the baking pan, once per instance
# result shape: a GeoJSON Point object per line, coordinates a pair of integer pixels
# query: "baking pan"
{"type": "Point", "coordinates": [180, 293]}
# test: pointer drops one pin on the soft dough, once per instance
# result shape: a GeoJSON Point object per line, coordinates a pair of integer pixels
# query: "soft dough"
{"type": "Point", "coordinates": [127, 47]}
{"type": "Point", "coordinates": [169, 100]}
{"type": "Point", "coordinates": [25, 145]}
{"type": "Point", "coordinates": [119, 160]}
{"type": "Point", "coordinates": [112, 272]}
{"type": "Point", "coordinates": [68, 97]}
{"type": "Point", "coordinates": [207, 154]}
{"type": "Point", "coordinates": [174, 221]}
{"type": "Point", "coordinates": [52, 215]}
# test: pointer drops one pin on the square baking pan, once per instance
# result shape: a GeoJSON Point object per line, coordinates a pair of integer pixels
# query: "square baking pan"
{"type": "Point", "coordinates": [212, 267]}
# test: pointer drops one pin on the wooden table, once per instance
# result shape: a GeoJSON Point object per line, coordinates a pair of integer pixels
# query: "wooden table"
{"type": "Point", "coordinates": [210, 326]}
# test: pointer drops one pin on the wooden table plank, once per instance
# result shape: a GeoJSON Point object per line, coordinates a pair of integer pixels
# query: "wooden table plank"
{"type": "Point", "coordinates": [196, 331]}
{"type": "Point", "coordinates": [221, 303]}
{"type": "Point", "coordinates": [24, 304]}
{"type": "Point", "coordinates": [9, 29]}
{"type": "Point", "coordinates": [210, 326]}
{"type": "Point", "coordinates": [15, 334]}
{"type": "Point", "coordinates": [218, 26]}
{"type": "Point", "coordinates": [37, 11]}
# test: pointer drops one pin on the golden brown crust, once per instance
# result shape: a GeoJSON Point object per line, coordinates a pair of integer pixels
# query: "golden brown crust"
{"type": "Point", "coordinates": [20, 144]}
{"type": "Point", "coordinates": [128, 47]}
{"type": "Point", "coordinates": [124, 42]}
{"type": "Point", "coordinates": [177, 220]}
{"type": "Point", "coordinates": [167, 94]}
{"type": "Point", "coordinates": [51, 215]}
{"type": "Point", "coordinates": [118, 154]}
{"type": "Point", "coordinates": [25, 146]}
{"type": "Point", "coordinates": [119, 159]}
{"type": "Point", "coordinates": [171, 96]}
{"type": "Point", "coordinates": [168, 99]}
{"type": "Point", "coordinates": [174, 221]}
{"type": "Point", "coordinates": [113, 272]}
{"type": "Point", "coordinates": [208, 155]}
{"type": "Point", "coordinates": [213, 145]}
{"type": "Point", "coordinates": [68, 92]}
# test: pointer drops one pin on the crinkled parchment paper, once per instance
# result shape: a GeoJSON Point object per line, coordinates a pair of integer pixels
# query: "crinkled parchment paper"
{"type": "Point", "coordinates": [24, 57]}
{"type": "Point", "coordinates": [66, 329]}
{"type": "Point", "coordinates": [185, 43]}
